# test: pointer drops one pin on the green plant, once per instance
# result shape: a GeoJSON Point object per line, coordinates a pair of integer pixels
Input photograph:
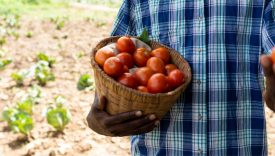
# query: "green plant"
{"type": "Point", "coordinates": [19, 77]}
{"type": "Point", "coordinates": [4, 63]}
{"type": "Point", "coordinates": [2, 40]}
{"type": "Point", "coordinates": [60, 101]}
{"type": "Point", "coordinates": [18, 121]}
{"type": "Point", "coordinates": [26, 105]}
{"type": "Point", "coordinates": [34, 93]}
{"type": "Point", "coordinates": [43, 73]}
{"type": "Point", "coordinates": [43, 57]}
{"type": "Point", "coordinates": [58, 117]}
{"type": "Point", "coordinates": [29, 34]}
{"type": "Point", "coordinates": [85, 82]}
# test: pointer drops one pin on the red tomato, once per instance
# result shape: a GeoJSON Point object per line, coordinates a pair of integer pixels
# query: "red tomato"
{"type": "Point", "coordinates": [157, 83]}
{"type": "Point", "coordinates": [170, 67]}
{"type": "Point", "coordinates": [143, 89]}
{"type": "Point", "coordinates": [126, 59]}
{"type": "Point", "coordinates": [156, 64]}
{"type": "Point", "coordinates": [125, 44]}
{"type": "Point", "coordinates": [162, 53]}
{"type": "Point", "coordinates": [128, 80]}
{"type": "Point", "coordinates": [273, 55]}
{"type": "Point", "coordinates": [141, 56]}
{"type": "Point", "coordinates": [175, 78]}
{"type": "Point", "coordinates": [125, 69]}
{"type": "Point", "coordinates": [113, 67]}
{"type": "Point", "coordinates": [102, 55]}
{"type": "Point", "coordinates": [143, 74]}
{"type": "Point", "coordinates": [168, 86]}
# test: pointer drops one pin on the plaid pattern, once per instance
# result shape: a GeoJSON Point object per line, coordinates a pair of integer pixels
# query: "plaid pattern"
{"type": "Point", "coordinates": [222, 111]}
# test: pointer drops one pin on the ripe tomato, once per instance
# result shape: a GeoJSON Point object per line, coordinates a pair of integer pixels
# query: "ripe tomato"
{"type": "Point", "coordinates": [113, 67]}
{"type": "Point", "coordinates": [143, 74]}
{"type": "Point", "coordinates": [141, 56]}
{"type": "Point", "coordinates": [162, 53]}
{"type": "Point", "coordinates": [102, 55]}
{"type": "Point", "coordinates": [128, 80]}
{"type": "Point", "coordinates": [156, 64]}
{"type": "Point", "coordinates": [175, 78]}
{"type": "Point", "coordinates": [125, 69]}
{"type": "Point", "coordinates": [126, 59]}
{"type": "Point", "coordinates": [143, 89]}
{"type": "Point", "coordinates": [169, 68]}
{"type": "Point", "coordinates": [157, 83]}
{"type": "Point", "coordinates": [125, 44]}
{"type": "Point", "coordinates": [273, 55]}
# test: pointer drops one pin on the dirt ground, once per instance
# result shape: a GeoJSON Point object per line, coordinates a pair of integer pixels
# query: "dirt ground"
{"type": "Point", "coordinates": [78, 140]}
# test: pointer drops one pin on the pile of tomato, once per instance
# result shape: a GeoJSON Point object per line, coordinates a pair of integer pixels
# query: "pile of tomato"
{"type": "Point", "coordinates": [138, 67]}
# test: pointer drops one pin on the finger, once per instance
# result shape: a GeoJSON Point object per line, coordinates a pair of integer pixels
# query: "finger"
{"type": "Point", "coordinates": [147, 128]}
{"type": "Point", "coordinates": [99, 103]}
{"type": "Point", "coordinates": [123, 117]}
{"type": "Point", "coordinates": [132, 125]}
{"type": "Point", "coordinates": [267, 65]}
{"type": "Point", "coordinates": [144, 129]}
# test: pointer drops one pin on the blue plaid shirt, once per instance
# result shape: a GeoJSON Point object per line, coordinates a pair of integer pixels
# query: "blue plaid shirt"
{"type": "Point", "coordinates": [222, 111]}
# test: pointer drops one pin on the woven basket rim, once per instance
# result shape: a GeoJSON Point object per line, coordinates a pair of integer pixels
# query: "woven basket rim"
{"type": "Point", "coordinates": [173, 92]}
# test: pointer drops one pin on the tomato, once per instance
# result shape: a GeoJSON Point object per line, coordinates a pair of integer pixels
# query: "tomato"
{"type": "Point", "coordinates": [125, 44]}
{"type": "Point", "coordinates": [162, 53]}
{"type": "Point", "coordinates": [113, 67]}
{"type": "Point", "coordinates": [141, 56]}
{"type": "Point", "coordinates": [128, 80]}
{"type": "Point", "coordinates": [125, 69]}
{"type": "Point", "coordinates": [143, 89]}
{"type": "Point", "coordinates": [175, 78]}
{"type": "Point", "coordinates": [157, 83]}
{"type": "Point", "coordinates": [169, 68]}
{"type": "Point", "coordinates": [143, 74]}
{"type": "Point", "coordinates": [156, 64]}
{"type": "Point", "coordinates": [168, 86]}
{"type": "Point", "coordinates": [126, 59]}
{"type": "Point", "coordinates": [102, 55]}
{"type": "Point", "coordinates": [273, 55]}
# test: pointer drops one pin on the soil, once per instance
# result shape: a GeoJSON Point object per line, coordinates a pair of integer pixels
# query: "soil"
{"type": "Point", "coordinates": [77, 36]}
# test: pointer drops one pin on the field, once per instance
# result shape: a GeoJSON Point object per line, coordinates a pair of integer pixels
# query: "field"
{"type": "Point", "coordinates": [65, 32]}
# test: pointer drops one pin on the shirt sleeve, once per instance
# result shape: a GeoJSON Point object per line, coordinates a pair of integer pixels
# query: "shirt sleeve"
{"type": "Point", "coordinates": [124, 23]}
{"type": "Point", "coordinates": [268, 29]}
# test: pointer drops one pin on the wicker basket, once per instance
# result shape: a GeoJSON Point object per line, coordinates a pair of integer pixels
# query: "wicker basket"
{"type": "Point", "coordinates": [124, 99]}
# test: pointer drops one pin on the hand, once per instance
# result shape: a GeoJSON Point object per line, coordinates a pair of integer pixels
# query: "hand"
{"type": "Point", "coordinates": [269, 72]}
{"type": "Point", "coordinates": [123, 124]}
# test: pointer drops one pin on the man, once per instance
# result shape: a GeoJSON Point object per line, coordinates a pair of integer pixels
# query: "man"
{"type": "Point", "coordinates": [226, 43]}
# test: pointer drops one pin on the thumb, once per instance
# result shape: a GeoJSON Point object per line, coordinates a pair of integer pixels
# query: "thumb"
{"type": "Point", "coordinates": [102, 103]}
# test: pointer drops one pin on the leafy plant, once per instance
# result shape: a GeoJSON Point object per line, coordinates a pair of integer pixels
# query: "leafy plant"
{"type": "Point", "coordinates": [26, 105]}
{"type": "Point", "coordinates": [18, 121]}
{"type": "Point", "coordinates": [43, 57]}
{"type": "Point", "coordinates": [4, 63]}
{"type": "Point", "coordinates": [43, 73]}
{"type": "Point", "coordinates": [2, 40]}
{"type": "Point", "coordinates": [85, 81]}
{"type": "Point", "coordinates": [29, 34]}
{"type": "Point", "coordinates": [145, 36]}
{"type": "Point", "coordinates": [58, 117]}
{"type": "Point", "coordinates": [60, 101]}
{"type": "Point", "coordinates": [34, 93]}
{"type": "Point", "coordinates": [19, 77]}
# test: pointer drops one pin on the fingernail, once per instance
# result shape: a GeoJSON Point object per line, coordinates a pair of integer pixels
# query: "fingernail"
{"type": "Point", "coordinates": [157, 123]}
{"type": "Point", "coordinates": [138, 113]}
{"type": "Point", "coordinates": [152, 117]}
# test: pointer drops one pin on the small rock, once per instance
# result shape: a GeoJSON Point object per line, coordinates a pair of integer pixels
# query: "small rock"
{"type": "Point", "coordinates": [52, 153]}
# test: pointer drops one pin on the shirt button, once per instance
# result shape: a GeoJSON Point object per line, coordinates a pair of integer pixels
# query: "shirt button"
{"type": "Point", "coordinates": [200, 117]}
{"type": "Point", "coordinates": [200, 151]}
{"type": "Point", "coordinates": [198, 82]}
{"type": "Point", "coordinates": [200, 18]}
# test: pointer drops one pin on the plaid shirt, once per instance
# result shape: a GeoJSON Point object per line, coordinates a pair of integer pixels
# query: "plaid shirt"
{"type": "Point", "coordinates": [222, 111]}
